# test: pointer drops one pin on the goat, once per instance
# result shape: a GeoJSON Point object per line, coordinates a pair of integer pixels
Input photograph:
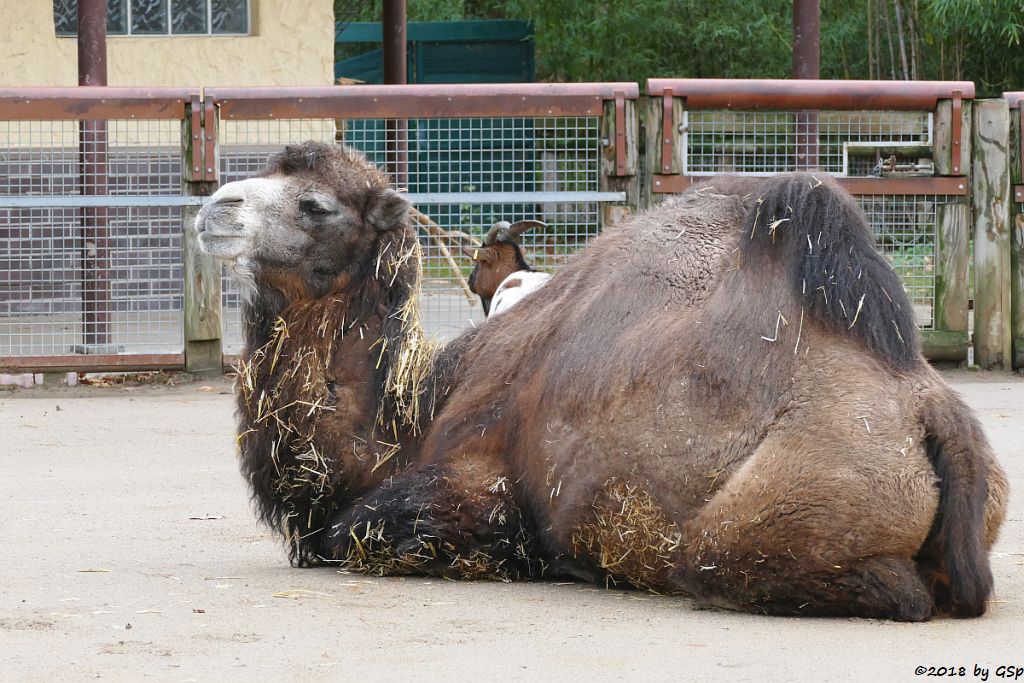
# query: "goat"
{"type": "Point", "coordinates": [501, 277]}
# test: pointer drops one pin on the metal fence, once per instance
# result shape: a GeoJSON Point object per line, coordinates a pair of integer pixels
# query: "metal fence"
{"type": "Point", "coordinates": [469, 156]}
{"type": "Point", "coordinates": [90, 229]}
{"type": "Point", "coordinates": [889, 143]}
{"type": "Point", "coordinates": [93, 213]}
{"type": "Point", "coordinates": [99, 185]}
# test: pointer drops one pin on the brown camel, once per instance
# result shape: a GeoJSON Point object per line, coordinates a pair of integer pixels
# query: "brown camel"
{"type": "Point", "coordinates": [723, 398]}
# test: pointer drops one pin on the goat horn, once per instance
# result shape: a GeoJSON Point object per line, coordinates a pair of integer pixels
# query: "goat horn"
{"type": "Point", "coordinates": [519, 227]}
{"type": "Point", "coordinates": [460, 236]}
{"type": "Point", "coordinates": [497, 231]}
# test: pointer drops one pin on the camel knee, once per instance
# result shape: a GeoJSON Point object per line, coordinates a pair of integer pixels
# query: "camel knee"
{"type": "Point", "coordinates": [424, 523]}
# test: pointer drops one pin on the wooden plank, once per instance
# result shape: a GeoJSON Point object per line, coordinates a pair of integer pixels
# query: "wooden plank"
{"type": "Point", "coordinates": [201, 272]}
{"type": "Point", "coordinates": [93, 363]}
{"type": "Point", "coordinates": [952, 227]}
{"type": "Point", "coordinates": [614, 214]}
{"type": "Point", "coordinates": [943, 140]}
{"type": "Point", "coordinates": [939, 345]}
{"type": "Point", "coordinates": [990, 187]}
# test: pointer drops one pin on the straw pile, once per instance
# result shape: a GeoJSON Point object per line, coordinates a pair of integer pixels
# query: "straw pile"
{"type": "Point", "coordinates": [629, 537]}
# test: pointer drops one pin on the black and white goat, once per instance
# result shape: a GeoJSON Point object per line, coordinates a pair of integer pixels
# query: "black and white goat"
{"type": "Point", "coordinates": [501, 277]}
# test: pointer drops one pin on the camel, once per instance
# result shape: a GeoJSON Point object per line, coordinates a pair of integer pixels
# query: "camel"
{"type": "Point", "coordinates": [722, 398]}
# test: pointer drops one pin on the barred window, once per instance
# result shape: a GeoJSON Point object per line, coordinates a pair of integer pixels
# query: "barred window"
{"type": "Point", "coordinates": [161, 17]}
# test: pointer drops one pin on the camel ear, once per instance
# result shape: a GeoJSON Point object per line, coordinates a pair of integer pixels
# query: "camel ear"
{"type": "Point", "coordinates": [387, 211]}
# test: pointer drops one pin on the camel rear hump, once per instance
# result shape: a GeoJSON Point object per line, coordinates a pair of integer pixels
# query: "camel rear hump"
{"type": "Point", "coordinates": [835, 270]}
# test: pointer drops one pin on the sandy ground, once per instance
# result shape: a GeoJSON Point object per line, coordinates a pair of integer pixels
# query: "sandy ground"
{"type": "Point", "coordinates": [130, 552]}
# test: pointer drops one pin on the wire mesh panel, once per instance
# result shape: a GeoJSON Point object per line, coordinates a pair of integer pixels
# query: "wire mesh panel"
{"type": "Point", "coordinates": [519, 163]}
{"type": "Point", "coordinates": [905, 227]}
{"type": "Point", "coordinates": [763, 142]}
{"type": "Point", "coordinates": [90, 279]}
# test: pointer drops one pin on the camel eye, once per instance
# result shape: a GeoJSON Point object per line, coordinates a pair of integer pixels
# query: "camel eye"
{"type": "Point", "coordinates": [314, 207]}
{"type": "Point", "coordinates": [332, 395]}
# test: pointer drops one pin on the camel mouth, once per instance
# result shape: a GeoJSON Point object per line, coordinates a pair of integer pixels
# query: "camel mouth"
{"type": "Point", "coordinates": [220, 233]}
{"type": "Point", "coordinates": [224, 247]}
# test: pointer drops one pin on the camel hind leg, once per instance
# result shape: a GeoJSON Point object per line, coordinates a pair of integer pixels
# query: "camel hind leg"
{"type": "Point", "coordinates": [801, 531]}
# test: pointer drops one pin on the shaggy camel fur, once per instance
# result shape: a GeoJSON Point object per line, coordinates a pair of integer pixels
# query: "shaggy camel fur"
{"type": "Point", "coordinates": [724, 398]}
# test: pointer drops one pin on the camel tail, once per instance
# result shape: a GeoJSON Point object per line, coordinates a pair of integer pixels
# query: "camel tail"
{"type": "Point", "coordinates": [954, 558]}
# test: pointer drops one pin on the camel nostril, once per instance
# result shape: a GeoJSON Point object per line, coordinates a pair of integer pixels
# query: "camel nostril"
{"type": "Point", "coordinates": [227, 201]}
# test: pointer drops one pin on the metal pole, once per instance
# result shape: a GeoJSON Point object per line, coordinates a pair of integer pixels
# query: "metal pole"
{"type": "Point", "coordinates": [806, 64]}
{"type": "Point", "coordinates": [395, 73]}
{"type": "Point", "coordinates": [92, 148]}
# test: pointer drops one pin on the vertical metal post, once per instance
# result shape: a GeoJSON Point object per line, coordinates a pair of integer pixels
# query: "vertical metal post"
{"type": "Point", "coordinates": [806, 64]}
{"type": "Point", "coordinates": [92, 150]}
{"type": "Point", "coordinates": [396, 73]}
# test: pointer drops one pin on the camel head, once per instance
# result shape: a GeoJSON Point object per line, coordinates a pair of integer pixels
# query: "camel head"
{"type": "Point", "coordinates": [306, 226]}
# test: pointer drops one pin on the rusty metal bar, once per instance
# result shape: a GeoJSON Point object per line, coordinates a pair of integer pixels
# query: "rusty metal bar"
{"type": "Point", "coordinates": [956, 149]}
{"type": "Point", "coordinates": [806, 65]}
{"type": "Point", "coordinates": [209, 162]}
{"type": "Point", "coordinates": [92, 103]}
{"type": "Point", "coordinates": [94, 363]}
{"type": "Point", "coordinates": [419, 101]}
{"type": "Point", "coordinates": [92, 42]}
{"type": "Point", "coordinates": [620, 133]}
{"type": "Point", "coordinates": [748, 94]}
{"type": "Point", "coordinates": [195, 113]}
{"type": "Point", "coordinates": [668, 127]}
{"type": "Point", "coordinates": [806, 140]}
{"type": "Point", "coordinates": [395, 65]}
{"type": "Point", "coordinates": [92, 151]}
{"type": "Point", "coordinates": [394, 47]}
{"type": "Point", "coordinates": [673, 184]}
{"type": "Point", "coordinates": [806, 39]}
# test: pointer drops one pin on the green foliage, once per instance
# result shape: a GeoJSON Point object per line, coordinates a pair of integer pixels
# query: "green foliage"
{"type": "Point", "coordinates": [593, 40]}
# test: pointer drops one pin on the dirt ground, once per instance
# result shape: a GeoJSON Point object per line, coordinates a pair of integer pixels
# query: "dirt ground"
{"type": "Point", "coordinates": [130, 552]}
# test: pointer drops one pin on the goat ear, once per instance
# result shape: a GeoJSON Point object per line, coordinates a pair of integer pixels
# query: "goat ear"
{"type": "Point", "coordinates": [387, 211]}
{"type": "Point", "coordinates": [482, 254]}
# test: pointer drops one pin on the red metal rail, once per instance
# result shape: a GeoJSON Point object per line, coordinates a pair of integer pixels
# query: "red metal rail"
{"type": "Point", "coordinates": [93, 103]}
{"type": "Point", "coordinates": [808, 97]}
{"type": "Point", "coordinates": [419, 101]}
{"type": "Point", "coordinates": [747, 94]}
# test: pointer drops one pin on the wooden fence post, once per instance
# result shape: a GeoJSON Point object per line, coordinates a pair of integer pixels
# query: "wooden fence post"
{"type": "Point", "coordinates": [654, 124]}
{"type": "Point", "coordinates": [991, 196]}
{"type": "Point", "coordinates": [1017, 241]}
{"type": "Point", "coordinates": [201, 272]}
{"type": "Point", "coordinates": [953, 238]}
{"type": "Point", "coordinates": [612, 178]}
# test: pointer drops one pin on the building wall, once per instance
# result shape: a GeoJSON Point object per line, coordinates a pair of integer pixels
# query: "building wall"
{"type": "Point", "coordinates": [292, 43]}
